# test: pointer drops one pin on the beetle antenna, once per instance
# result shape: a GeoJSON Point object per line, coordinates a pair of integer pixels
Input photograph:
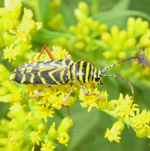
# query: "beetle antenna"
{"type": "Point", "coordinates": [114, 76]}
{"type": "Point", "coordinates": [131, 86]}
{"type": "Point", "coordinates": [106, 68]}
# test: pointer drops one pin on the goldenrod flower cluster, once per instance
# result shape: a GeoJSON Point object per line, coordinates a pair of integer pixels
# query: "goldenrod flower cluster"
{"type": "Point", "coordinates": [44, 108]}
{"type": "Point", "coordinates": [123, 43]}
{"type": "Point", "coordinates": [16, 34]}
{"type": "Point", "coordinates": [87, 29]}
{"type": "Point", "coordinates": [30, 123]}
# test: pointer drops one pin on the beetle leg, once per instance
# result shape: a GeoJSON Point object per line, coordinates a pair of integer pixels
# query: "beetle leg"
{"type": "Point", "coordinates": [87, 94]}
{"type": "Point", "coordinates": [93, 85]}
{"type": "Point", "coordinates": [66, 98]}
{"type": "Point", "coordinates": [48, 52]}
{"type": "Point", "coordinates": [32, 58]}
{"type": "Point", "coordinates": [37, 94]}
{"type": "Point", "coordinates": [67, 56]}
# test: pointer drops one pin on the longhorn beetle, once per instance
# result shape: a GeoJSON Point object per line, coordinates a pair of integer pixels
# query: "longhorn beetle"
{"type": "Point", "coordinates": [61, 72]}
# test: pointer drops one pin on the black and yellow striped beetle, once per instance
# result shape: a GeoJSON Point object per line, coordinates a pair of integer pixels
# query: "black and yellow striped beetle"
{"type": "Point", "coordinates": [61, 72]}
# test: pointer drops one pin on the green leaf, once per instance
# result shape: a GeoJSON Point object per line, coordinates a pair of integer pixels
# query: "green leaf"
{"type": "Point", "coordinates": [44, 36]}
{"type": "Point", "coordinates": [67, 14]}
{"type": "Point", "coordinates": [118, 14]}
{"type": "Point", "coordinates": [121, 5]}
{"type": "Point", "coordinates": [44, 12]}
{"type": "Point", "coordinates": [109, 16]}
{"type": "Point", "coordinates": [83, 123]}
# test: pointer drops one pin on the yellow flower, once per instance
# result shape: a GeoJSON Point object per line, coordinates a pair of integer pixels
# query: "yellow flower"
{"type": "Point", "coordinates": [16, 108]}
{"type": "Point", "coordinates": [82, 11]}
{"type": "Point", "coordinates": [142, 119]}
{"type": "Point", "coordinates": [122, 108]}
{"type": "Point", "coordinates": [56, 100]}
{"type": "Point", "coordinates": [35, 122]}
{"type": "Point", "coordinates": [4, 73]}
{"type": "Point", "coordinates": [44, 112]}
{"type": "Point", "coordinates": [92, 100]}
{"type": "Point", "coordinates": [16, 34]}
{"type": "Point", "coordinates": [16, 97]}
{"type": "Point", "coordinates": [14, 137]}
{"type": "Point", "coordinates": [11, 52]}
{"type": "Point", "coordinates": [52, 132]}
{"type": "Point", "coordinates": [35, 138]}
{"type": "Point", "coordinates": [48, 146]}
{"type": "Point", "coordinates": [22, 34]}
{"type": "Point", "coordinates": [113, 134]}
{"type": "Point", "coordinates": [65, 125]}
{"type": "Point", "coordinates": [63, 138]}
{"type": "Point", "coordinates": [59, 53]}
{"type": "Point", "coordinates": [13, 7]}
{"type": "Point", "coordinates": [140, 122]}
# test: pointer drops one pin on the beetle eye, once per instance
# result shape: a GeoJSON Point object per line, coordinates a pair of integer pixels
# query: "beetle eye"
{"type": "Point", "coordinates": [97, 79]}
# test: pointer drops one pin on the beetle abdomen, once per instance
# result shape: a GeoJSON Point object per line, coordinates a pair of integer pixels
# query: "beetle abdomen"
{"type": "Point", "coordinates": [46, 73]}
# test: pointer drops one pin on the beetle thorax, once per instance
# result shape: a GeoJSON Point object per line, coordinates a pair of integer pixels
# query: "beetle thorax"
{"type": "Point", "coordinates": [97, 76]}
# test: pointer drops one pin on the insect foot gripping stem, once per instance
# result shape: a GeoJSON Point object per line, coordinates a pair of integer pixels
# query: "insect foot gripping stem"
{"type": "Point", "coordinates": [86, 92]}
{"type": "Point", "coordinates": [66, 98]}
{"type": "Point", "coordinates": [37, 94]}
